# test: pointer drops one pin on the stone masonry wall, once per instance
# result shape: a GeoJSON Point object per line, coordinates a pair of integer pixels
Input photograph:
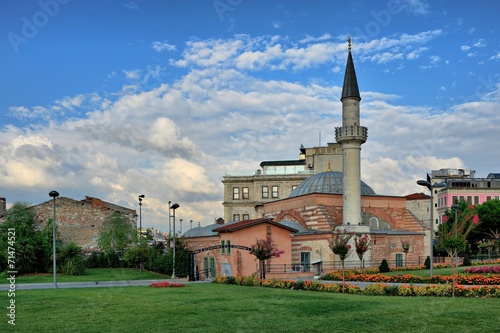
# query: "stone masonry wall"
{"type": "Point", "coordinates": [79, 221]}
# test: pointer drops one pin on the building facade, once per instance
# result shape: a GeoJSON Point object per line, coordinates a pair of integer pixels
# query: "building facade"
{"type": "Point", "coordinates": [79, 221]}
{"type": "Point", "coordinates": [244, 195]}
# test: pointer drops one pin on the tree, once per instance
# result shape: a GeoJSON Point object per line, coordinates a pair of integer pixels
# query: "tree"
{"type": "Point", "coordinates": [362, 244]}
{"type": "Point", "coordinates": [32, 247]}
{"type": "Point", "coordinates": [489, 215]}
{"type": "Point", "coordinates": [265, 249]}
{"type": "Point", "coordinates": [137, 255]}
{"type": "Point", "coordinates": [116, 234]}
{"type": "Point", "coordinates": [340, 246]}
{"type": "Point", "coordinates": [406, 247]}
{"type": "Point", "coordinates": [457, 225]}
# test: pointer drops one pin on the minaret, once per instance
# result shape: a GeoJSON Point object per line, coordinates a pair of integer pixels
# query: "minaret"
{"type": "Point", "coordinates": [351, 136]}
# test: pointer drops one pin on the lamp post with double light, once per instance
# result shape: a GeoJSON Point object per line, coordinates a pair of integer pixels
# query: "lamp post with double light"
{"type": "Point", "coordinates": [431, 188]}
{"type": "Point", "coordinates": [173, 207]}
{"type": "Point", "coordinates": [141, 196]}
{"type": "Point", "coordinates": [54, 195]}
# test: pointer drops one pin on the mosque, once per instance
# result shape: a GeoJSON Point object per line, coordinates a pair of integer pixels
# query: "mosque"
{"type": "Point", "coordinates": [303, 223]}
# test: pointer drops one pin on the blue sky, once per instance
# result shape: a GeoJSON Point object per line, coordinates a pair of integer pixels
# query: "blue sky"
{"type": "Point", "coordinates": [116, 98]}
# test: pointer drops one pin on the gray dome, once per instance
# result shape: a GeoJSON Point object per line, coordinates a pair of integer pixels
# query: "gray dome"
{"type": "Point", "coordinates": [326, 182]}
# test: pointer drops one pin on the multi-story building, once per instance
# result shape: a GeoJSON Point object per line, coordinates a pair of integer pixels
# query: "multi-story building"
{"type": "Point", "coordinates": [474, 191]}
{"type": "Point", "coordinates": [244, 195]}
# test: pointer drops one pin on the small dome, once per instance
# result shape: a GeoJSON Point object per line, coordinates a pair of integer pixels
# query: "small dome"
{"type": "Point", "coordinates": [326, 182]}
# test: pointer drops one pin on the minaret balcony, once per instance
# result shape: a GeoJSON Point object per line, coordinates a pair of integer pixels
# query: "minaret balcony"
{"type": "Point", "coordinates": [351, 133]}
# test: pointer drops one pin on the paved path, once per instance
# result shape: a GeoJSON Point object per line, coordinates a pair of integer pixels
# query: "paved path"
{"type": "Point", "coordinates": [65, 285]}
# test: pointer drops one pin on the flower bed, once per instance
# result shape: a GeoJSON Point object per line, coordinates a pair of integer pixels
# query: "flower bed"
{"type": "Point", "coordinates": [166, 284]}
{"type": "Point", "coordinates": [464, 279]}
{"type": "Point", "coordinates": [443, 290]}
{"type": "Point", "coordinates": [483, 270]}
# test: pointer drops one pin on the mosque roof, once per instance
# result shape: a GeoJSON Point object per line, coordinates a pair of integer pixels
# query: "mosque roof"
{"type": "Point", "coordinates": [202, 231]}
{"type": "Point", "coordinates": [326, 182]}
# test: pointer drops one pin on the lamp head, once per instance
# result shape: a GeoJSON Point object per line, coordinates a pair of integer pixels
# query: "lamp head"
{"type": "Point", "coordinates": [54, 194]}
{"type": "Point", "coordinates": [174, 206]}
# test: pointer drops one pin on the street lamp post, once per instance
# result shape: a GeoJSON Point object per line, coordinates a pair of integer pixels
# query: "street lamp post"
{"type": "Point", "coordinates": [173, 207]}
{"type": "Point", "coordinates": [169, 215]}
{"type": "Point", "coordinates": [54, 194]}
{"type": "Point", "coordinates": [431, 224]}
{"type": "Point", "coordinates": [141, 196]}
{"type": "Point", "coordinates": [455, 207]}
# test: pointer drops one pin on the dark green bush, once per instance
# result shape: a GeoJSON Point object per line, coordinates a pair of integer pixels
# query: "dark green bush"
{"type": "Point", "coordinates": [230, 280]}
{"type": "Point", "coordinates": [427, 262]}
{"type": "Point", "coordinates": [384, 267]}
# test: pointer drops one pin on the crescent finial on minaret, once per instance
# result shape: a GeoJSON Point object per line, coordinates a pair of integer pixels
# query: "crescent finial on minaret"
{"type": "Point", "coordinates": [349, 43]}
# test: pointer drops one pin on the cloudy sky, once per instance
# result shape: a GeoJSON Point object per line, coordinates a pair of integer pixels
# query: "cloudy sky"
{"type": "Point", "coordinates": [117, 98]}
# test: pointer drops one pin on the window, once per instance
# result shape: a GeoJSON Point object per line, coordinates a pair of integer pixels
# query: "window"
{"type": "Point", "coordinates": [469, 200]}
{"type": "Point", "coordinates": [265, 192]}
{"type": "Point", "coordinates": [274, 192]}
{"type": "Point", "coordinates": [225, 247]}
{"type": "Point", "coordinates": [399, 260]}
{"type": "Point", "coordinates": [476, 200]}
{"type": "Point", "coordinates": [455, 199]}
{"type": "Point", "coordinates": [246, 217]}
{"type": "Point", "coordinates": [488, 198]}
{"type": "Point", "coordinates": [236, 217]}
{"type": "Point", "coordinates": [236, 193]}
{"type": "Point", "coordinates": [305, 261]}
{"type": "Point", "coordinates": [244, 191]}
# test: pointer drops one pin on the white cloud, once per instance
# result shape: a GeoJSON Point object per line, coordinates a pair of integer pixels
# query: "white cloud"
{"type": "Point", "coordinates": [162, 46]}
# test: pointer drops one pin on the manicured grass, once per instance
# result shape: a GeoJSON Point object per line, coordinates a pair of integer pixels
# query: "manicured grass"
{"type": "Point", "coordinates": [203, 307]}
{"type": "Point", "coordinates": [426, 272]}
{"type": "Point", "coordinates": [91, 275]}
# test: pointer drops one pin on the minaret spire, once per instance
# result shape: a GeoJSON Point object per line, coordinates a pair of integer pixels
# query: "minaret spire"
{"type": "Point", "coordinates": [350, 88]}
{"type": "Point", "coordinates": [351, 136]}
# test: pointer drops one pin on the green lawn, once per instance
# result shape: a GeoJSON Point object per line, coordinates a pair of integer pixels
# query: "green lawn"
{"type": "Point", "coordinates": [91, 275]}
{"type": "Point", "coordinates": [426, 272]}
{"type": "Point", "coordinates": [204, 307]}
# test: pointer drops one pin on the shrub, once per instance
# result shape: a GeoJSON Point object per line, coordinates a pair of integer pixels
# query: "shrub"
{"type": "Point", "coordinates": [230, 280]}
{"type": "Point", "coordinates": [374, 289]}
{"type": "Point", "coordinates": [427, 263]}
{"type": "Point", "coordinates": [384, 267]}
{"type": "Point", "coordinates": [467, 261]}
{"type": "Point", "coordinates": [72, 262]}
{"type": "Point", "coordinates": [298, 285]}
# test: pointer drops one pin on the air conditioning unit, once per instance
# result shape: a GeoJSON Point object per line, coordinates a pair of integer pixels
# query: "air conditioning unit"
{"type": "Point", "coordinates": [298, 268]}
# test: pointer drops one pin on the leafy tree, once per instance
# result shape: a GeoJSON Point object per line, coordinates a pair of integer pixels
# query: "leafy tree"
{"type": "Point", "coordinates": [454, 230]}
{"type": "Point", "coordinates": [33, 247]}
{"type": "Point", "coordinates": [489, 215]}
{"type": "Point", "coordinates": [362, 244]}
{"type": "Point", "coordinates": [264, 249]}
{"type": "Point", "coordinates": [406, 247]}
{"type": "Point", "coordinates": [116, 233]}
{"type": "Point", "coordinates": [137, 255]}
{"type": "Point", "coordinates": [340, 246]}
